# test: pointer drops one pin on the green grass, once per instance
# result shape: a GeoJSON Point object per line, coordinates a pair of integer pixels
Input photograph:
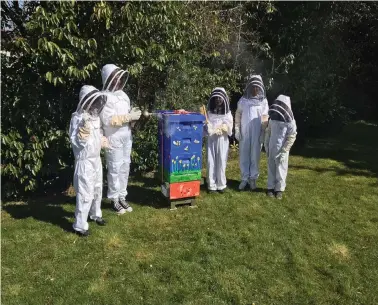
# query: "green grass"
{"type": "Point", "coordinates": [316, 246]}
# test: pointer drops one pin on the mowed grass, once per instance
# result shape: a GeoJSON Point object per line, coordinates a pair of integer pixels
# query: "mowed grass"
{"type": "Point", "coordinates": [319, 245]}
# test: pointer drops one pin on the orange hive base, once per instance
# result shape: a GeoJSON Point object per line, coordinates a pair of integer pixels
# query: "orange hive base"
{"type": "Point", "coordinates": [184, 189]}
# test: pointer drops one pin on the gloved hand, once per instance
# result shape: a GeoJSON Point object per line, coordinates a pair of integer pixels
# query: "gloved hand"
{"type": "Point", "coordinates": [224, 128]}
{"type": "Point", "coordinates": [210, 129]}
{"type": "Point", "coordinates": [135, 114]}
{"type": "Point", "coordinates": [119, 120]}
{"type": "Point", "coordinates": [104, 142]}
{"type": "Point", "coordinates": [282, 156]}
{"type": "Point", "coordinates": [219, 131]}
{"type": "Point", "coordinates": [84, 131]}
{"type": "Point", "coordinates": [237, 134]}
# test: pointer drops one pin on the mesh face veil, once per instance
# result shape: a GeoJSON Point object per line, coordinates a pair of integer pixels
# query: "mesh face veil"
{"type": "Point", "coordinates": [280, 110]}
{"type": "Point", "coordinates": [255, 88]}
{"type": "Point", "coordinates": [218, 102]}
{"type": "Point", "coordinates": [114, 78]}
{"type": "Point", "coordinates": [91, 100]}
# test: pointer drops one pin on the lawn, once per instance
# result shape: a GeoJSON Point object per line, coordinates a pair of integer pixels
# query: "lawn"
{"type": "Point", "coordinates": [319, 245]}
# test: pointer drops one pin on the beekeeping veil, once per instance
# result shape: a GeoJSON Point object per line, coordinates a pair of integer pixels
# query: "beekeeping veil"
{"type": "Point", "coordinates": [280, 110]}
{"type": "Point", "coordinates": [91, 100]}
{"type": "Point", "coordinates": [218, 102]}
{"type": "Point", "coordinates": [113, 78]}
{"type": "Point", "coordinates": [255, 88]}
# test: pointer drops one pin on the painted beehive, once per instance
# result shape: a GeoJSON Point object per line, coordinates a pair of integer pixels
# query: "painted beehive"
{"type": "Point", "coordinates": [180, 146]}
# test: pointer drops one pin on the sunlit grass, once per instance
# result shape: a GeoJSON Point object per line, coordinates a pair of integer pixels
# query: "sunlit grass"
{"type": "Point", "coordinates": [316, 246]}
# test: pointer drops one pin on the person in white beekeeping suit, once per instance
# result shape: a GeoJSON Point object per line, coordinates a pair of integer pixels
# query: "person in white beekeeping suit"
{"type": "Point", "coordinates": [219, 127]}
{"type": "Point", "coordinates": [250, 121]}
{"type": "Point", "coordinates": [86, 140]}
{"type": "Point", "coordinates": [117, 118]}
{"type": "Point", "coordinates": [280, 136]}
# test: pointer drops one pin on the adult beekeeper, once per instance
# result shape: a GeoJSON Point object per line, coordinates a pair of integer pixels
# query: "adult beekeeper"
{"type": "Point", "coordinates": [250, 121]}
{"type": "Point", "coordinates": [116, 118]}
{"type": "Point", "coordinates": [280, 136]}
{"type": "Point", "coordinates": [86, 140]}
{"type": "Point", "coordinates": [219, 127]}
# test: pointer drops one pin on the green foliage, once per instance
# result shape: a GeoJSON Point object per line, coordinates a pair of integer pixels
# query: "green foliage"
{"type": "Point", "coordinates": [176, 52]}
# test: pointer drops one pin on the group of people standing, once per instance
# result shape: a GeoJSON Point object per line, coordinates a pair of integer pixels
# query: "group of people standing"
{"type": "Point", "coordinates": [103, 119]}
{"type": "Point", "coordinates": [255, 125]}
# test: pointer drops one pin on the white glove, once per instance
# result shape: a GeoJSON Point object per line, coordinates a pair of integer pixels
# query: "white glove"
{"type": "Point", "coordinates": [85, 131]}
{"type": "Point", "coordinates": [210, 129]}
{"type": "Point", "coordinates": [219, 131]}
{"type": "Point", "coordinates": [135, 114]}
{"type": "Point", "coordinates": [104, 142]}
{"type": "Point", "coordinates": [282, 156]}
{"type": "Point", "coordinates": [237, 134]}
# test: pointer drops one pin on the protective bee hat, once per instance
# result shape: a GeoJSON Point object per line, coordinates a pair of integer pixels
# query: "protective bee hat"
{"type": "Point", "coordinates": [91, 100]}
{"type": "Point", "coordinates": [255, 88]}
{"type": "Point", "coordinates": [218, 102]}
{"type": "Point", "coordinates": [113, 78]}
{"type": "Point", "coordinates": [280, 110]}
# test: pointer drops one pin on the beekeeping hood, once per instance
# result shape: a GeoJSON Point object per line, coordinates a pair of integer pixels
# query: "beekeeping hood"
{"type": "Point", "coordinates": [91, 100]}
{"type": "Point", "coordinates": [255, 81]}
{"type": "Point", "coordinates": [280, 110]}
{"type": "Point", "coordinates": [216, 94]}
{"type": "Point", "coordinates": [113, 78]}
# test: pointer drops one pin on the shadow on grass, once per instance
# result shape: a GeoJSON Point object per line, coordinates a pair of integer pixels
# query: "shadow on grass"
{"type": "Point", "coordinates": [48, 210]}
{"type": "Point", "coordinates": [356, 147]}
{"type": "Point", "coordinates": [337, 171]}
{"type": "Point", "coordinates": [145, 191]}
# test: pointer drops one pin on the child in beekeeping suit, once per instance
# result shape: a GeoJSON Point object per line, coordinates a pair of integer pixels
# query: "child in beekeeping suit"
{"type": "Point", "coordinates": [250, 119]}
{"type": "Point", "coordinates": [86, 140]}
{"type": "Point", "coordinates": [280, 136]}
{"type": "Point", "coordinates": [219, 127]}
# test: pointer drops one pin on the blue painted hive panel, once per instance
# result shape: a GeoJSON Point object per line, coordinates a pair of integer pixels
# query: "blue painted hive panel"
{"type": "Point", "coordinates": [180, 146]}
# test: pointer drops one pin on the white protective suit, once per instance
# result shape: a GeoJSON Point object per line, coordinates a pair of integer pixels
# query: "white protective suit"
{"type": "Point", "coordinates": [280, 136]}
{"type": "Point", "coordinates": [219, 127]}
{"type": "Point", "coordinates": [116, 118]}
{"type": "Point", "coordinates": [85, 137]}
{"type": "Point", "coordinates": [251, 114]}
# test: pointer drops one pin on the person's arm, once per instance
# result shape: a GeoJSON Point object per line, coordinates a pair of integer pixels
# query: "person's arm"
{"type": "Point", "coordinates": [228, 124]}
{"type": "Point", "coordinates": [238, 115]}
{"type": "Point", "coordinates": [267, 138]}
{"type": "Point", "coordinates": [79, 132]}
{"type": "Point", "coordinates": [291, 137]}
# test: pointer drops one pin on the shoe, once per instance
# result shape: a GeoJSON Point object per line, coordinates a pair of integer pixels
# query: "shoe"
{"type": "Point", "coordinates": [270, 193]}
{"type": "Point", "coordinates": [82, 233]}
{"type": "Point", "coordinates": [252, 184]}
{"type": "Point", "coordinates": [100, 221]}
{"type": "Point", "coordinates": [279, 195]}
{"type": "Point", "coordinates": [125, 205]}
{"type": "Point", "coordinates": [211, 191]}
{"type": "Point", "coordinates": [242, 185]}
{"type": "Point", "coordinates": [222, 191]}
{"type": "Point", "coordinates": [118, 207]}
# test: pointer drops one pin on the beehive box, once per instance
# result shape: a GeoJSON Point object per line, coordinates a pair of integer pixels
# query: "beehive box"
{"type": "Point", "coordinates": [180, 146]}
